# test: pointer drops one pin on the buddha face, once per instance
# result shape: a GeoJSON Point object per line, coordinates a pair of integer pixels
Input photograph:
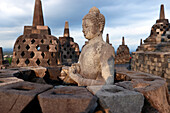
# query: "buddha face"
{"type": "Point", "coordinates": [90, 29]}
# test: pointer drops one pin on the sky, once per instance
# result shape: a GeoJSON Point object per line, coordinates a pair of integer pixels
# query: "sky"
{"type": "Point", "coordinates": [132, 19]}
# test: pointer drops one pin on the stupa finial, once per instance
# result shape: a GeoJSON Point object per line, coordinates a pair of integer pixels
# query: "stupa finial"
{"type": "Point", "coordinates": [107, 38]}
{"type": "Point", "coordinates": [38, 14]}
{"type": "Point", "coordinates": [66, 30]}
{"type": "Point", "coordinates": [123, 40]}
{"type": "Point", "coordinates": [162, 13]}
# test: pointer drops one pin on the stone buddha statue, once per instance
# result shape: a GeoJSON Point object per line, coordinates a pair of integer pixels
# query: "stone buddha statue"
{"type": "Point", "coordinates": [96, 61]}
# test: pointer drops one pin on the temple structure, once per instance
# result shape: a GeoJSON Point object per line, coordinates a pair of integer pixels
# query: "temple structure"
{"type": "Point", "coordinates": [153, 56]}
{"type": "Point", "coordinates": [69, 49]}
{"type": "Point", "coordinates": [123, 54]}
{"type": "Point", "coordinates": [105, 88]}
{"type": "Point", "coordinates": [107, 39]}
{"type": "Point", "coordinates": [159, 34]}
{"type": "Point", "coordinates": [36, 47]}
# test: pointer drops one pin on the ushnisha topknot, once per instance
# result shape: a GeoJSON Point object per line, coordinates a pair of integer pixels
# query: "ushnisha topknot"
{"type": "Point", "coordinates": [94, 10]}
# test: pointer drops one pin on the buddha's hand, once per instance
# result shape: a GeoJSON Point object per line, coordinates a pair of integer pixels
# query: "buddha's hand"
{"type": "Point", "coordinates": [76, 67]}
{"type": "Point", "coordinates": [73, 72]}
{"type": "Point", "coordinates": [64, 72]}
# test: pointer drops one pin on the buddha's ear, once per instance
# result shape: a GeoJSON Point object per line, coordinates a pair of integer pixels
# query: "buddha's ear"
{"type": "Point", "coordinates": [101, 27]}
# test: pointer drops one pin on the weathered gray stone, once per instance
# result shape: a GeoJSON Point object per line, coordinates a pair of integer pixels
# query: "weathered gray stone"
{"type": "Point", "coordinates": [39, 70]}
{"type": "Point", "coordinates": [124, 75]}
{"type": "Point", "coordinates": [155, 92]}
{"type": "Point", "coordinates": [21, 97]}
{"type": "Point", "coordinates": [17, 72]}
{"type": "Point", "coordinates": [125, 84]}
{"type": "Point", "coordinates": [115, 99]}
{"type": "Point", "coordinates": [9, 80]}
{"type": "Point", "coordinates": [54, 72]}
{"type": "Point", "coordinates": [67, 100]}
{"type": "Point", "coordinates": [9, 72]}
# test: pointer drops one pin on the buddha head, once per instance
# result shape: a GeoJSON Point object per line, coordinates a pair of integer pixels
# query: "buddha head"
{"type": "Point", "coordinates": [93, 24]}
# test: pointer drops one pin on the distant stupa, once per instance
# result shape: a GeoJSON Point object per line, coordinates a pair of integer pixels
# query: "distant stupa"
{"type": "Point", "coordinates": [70, 49]}
{"type": "Point", "coordinates": [123, 54]}
{"type": "Point", "coordinates": [158, 33]}
{"type": "Point", "coordinates": [36, 47]}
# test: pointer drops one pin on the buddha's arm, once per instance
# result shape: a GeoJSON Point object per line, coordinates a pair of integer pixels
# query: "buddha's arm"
{"type": "Point", "coordinates": [107, 64]}
{"type": "Point", "coordinates": [108, 71]}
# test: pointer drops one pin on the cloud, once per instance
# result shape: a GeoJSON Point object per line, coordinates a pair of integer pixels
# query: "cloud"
{"type": "Point", "coordinates": [130, 18]}
{"type": "Point", "coordinates": [7, 44]}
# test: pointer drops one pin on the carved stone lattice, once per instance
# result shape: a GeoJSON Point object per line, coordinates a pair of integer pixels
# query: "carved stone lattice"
{"type": "Point", "coordinates": [159, 37]}
{"type": "Point", "coordinates": [36, 47]}
{"type": "Point", "coordinates": [123, 54]}
{"type": "Point", "coordinates": [69, 49]}
{"type": "Point", "coordinates": [154, 55]}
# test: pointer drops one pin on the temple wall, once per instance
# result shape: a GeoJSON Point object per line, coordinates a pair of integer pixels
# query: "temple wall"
{"type": "Point", "coordinates": [157, 63]}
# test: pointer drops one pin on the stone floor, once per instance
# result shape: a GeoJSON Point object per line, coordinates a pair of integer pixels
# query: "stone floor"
{"type": "Point", "coordinates": [124, 68]}
{"type": "Point", "coordinates": [134, 91]}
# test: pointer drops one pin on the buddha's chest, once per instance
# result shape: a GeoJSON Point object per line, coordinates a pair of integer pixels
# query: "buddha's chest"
{"type": "Point", "coordinates": [90, 62]}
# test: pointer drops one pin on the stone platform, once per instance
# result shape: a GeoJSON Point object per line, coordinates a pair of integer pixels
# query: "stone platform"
{"type": "Point", "coordinates": [147, 93]}
{"type": "Point", "coordinates": [154, 88]}
{"type": "Point", "coordinates": [157, 63]}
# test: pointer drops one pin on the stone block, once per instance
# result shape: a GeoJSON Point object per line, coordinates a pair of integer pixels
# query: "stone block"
{"type": "Point", "coordinates": [21, 97]}
{"type": "Point", "coordinates": [169, 65]}
{"type": "Point", "coordinates": [9, 80]}
{"type": "Point", "coordinates": [115, 99]}
{"type": "Point", "coordinates": [168, 71]}
{"type": "Point", "coordinates": [32, 47]}
{"type": "Point", "coordinates": [155, 92]}
{"type": "Point", "coordinates": [38, 55]}
{"type": "Point", "coordinates": [8, 72]}
{"type": "Point", "coordinates": [32, 62]}
{"type": "Point", "coordinates": [35, 31]}
{"type": "Point", "coordinates": [39, 71]}
{"type": "Point", "coordinates": [159, 64]}
{"type": "Point", "coordinates": [67, 100]}
{"type": "Point", "coordinates": [167, 76]}
{"type": "Point", "coordinates": [52, 48]}
{"type": "Point", "coordinates": [42, 27]}
{"type": "Point", "coordinates": [13, 72]}
{"type": "Point", "coordinates": [157, 69]}
{"type": "Point", "coordinates": [155, 59]}
{"type": "Point", "coordinates": [54, 73]}
{"type": "Point", "coordinates": [162, 60]}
